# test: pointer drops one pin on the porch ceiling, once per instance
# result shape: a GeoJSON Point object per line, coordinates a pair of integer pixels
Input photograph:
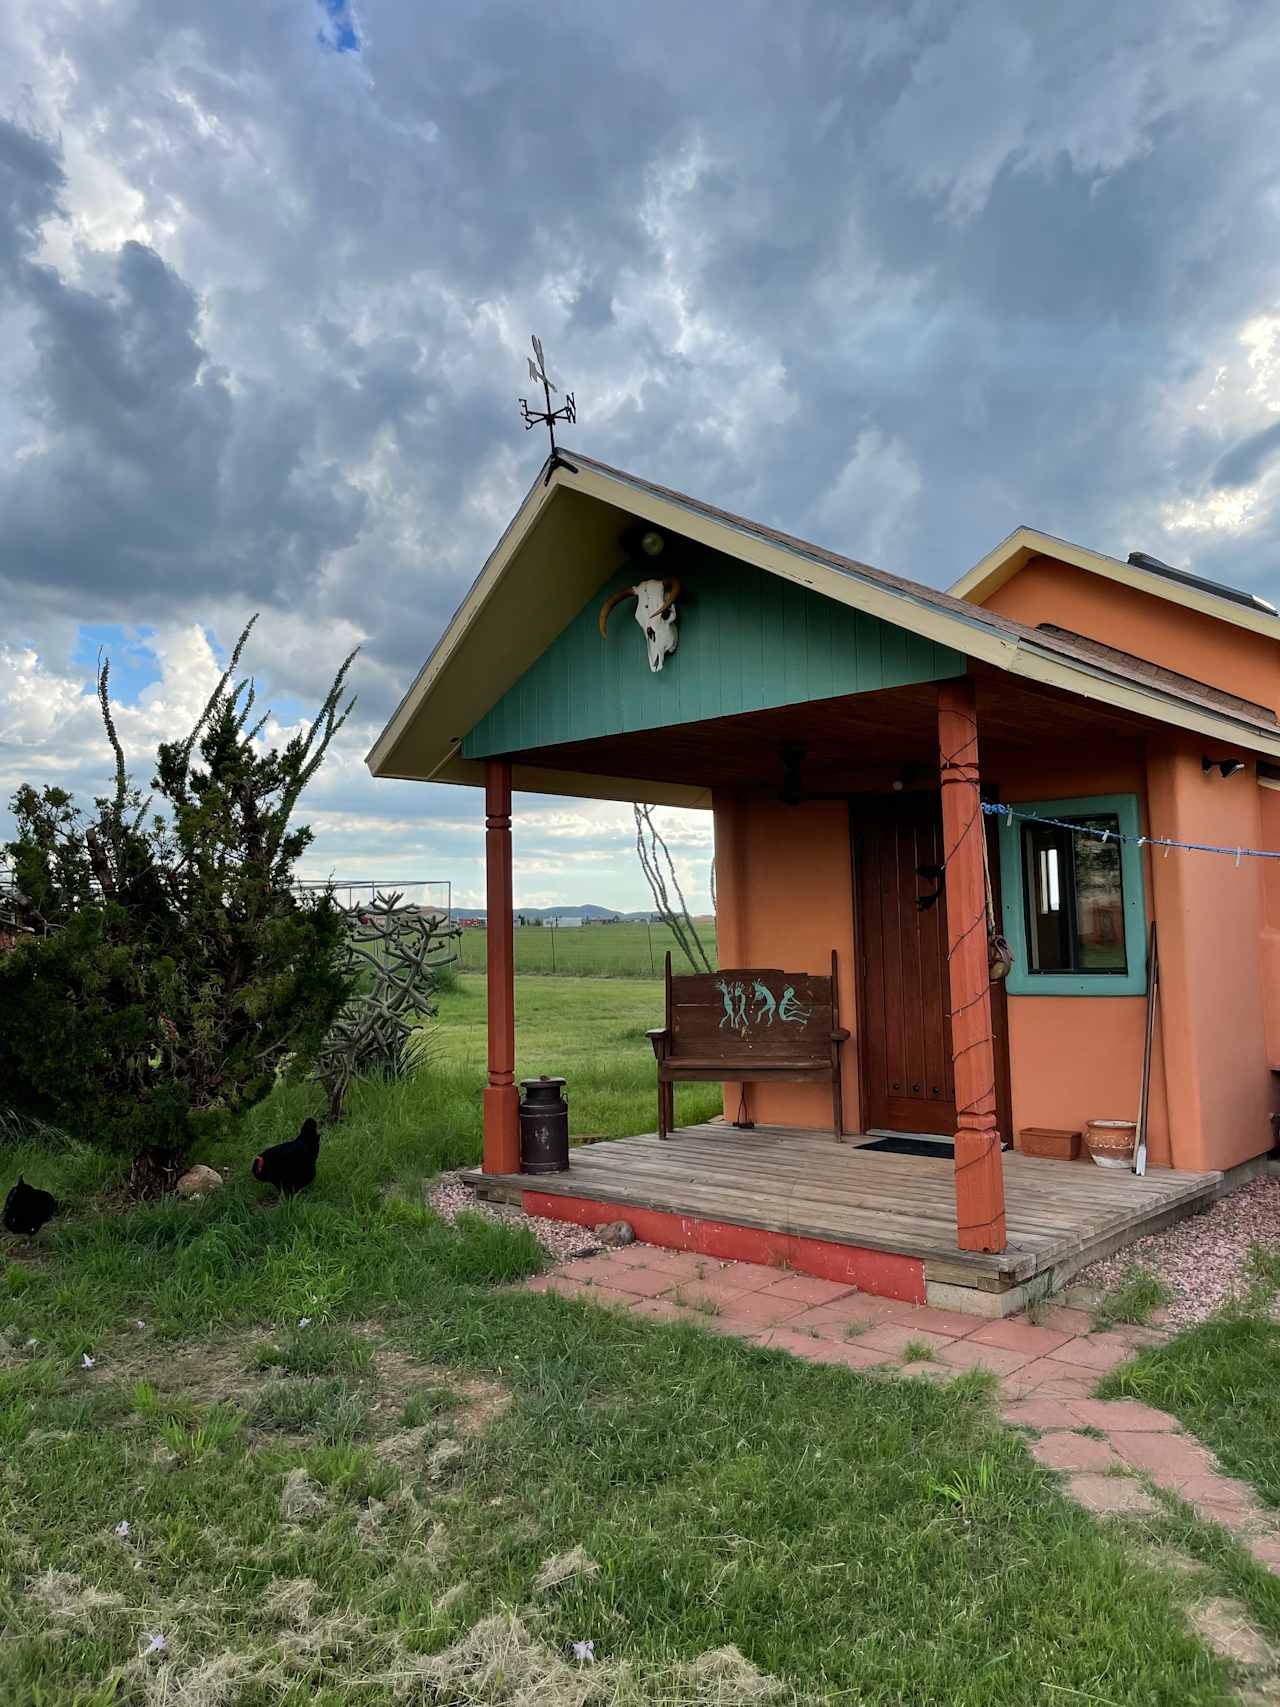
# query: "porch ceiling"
{"type": "Point", "coordinates": [857, 742]}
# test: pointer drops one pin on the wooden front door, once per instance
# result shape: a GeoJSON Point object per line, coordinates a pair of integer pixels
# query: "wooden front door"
{"type": "Point", "coordinates": [904, 1029]}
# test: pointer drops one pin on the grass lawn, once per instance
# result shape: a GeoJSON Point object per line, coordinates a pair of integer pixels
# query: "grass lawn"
{"type": "Point", "coordinates": [601, 951]}
{"type": "Point", "coordinates": [1222, 1381]}
{"type": "Point", "coordinates": [355, 1510]}
{"type": "Point", "coordinates": [590, 1031]}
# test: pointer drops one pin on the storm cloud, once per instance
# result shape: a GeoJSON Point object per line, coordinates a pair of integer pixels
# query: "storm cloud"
{"type": "Point", "coordinates": [896, 277]}
{"type": "Point", "coordinates": [1245, 462]}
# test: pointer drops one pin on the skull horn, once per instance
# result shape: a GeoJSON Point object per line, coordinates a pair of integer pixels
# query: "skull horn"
{"type": "Point", "coordinates": [617, 598]}
{"type": "Point", "coordinates": [672, 589]}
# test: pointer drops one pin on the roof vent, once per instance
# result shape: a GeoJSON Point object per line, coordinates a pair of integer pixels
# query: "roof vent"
{"type": "Point", "coordinates": [1144, 560]}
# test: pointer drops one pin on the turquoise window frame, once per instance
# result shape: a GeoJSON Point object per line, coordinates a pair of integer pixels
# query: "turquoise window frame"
{"type": "Point", "coordinates": [1022, 981]}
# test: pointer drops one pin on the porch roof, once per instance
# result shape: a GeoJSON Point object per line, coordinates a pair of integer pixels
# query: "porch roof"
{"type": "Point", "coordinates": [563, 545]}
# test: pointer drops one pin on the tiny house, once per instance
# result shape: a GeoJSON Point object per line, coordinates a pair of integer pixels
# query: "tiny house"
{"type": "Point", "coordinates": [899, 775]}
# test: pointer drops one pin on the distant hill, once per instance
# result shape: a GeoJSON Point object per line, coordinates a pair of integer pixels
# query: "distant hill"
{"type": "Point", "coordinates": [588, 910]}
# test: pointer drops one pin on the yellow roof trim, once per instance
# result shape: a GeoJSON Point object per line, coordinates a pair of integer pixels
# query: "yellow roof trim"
{"type": "Point", "coordinates": [999, 567]}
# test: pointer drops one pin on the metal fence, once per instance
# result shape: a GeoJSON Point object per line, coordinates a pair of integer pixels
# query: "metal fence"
{"type": "Point", "coordinates": [13, 922]}
{"type": "Point", "coordinates": [429, 894]}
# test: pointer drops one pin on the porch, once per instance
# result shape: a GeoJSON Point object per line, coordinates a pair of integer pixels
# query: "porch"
{"type": "Point", "coordinates": [880, 1221]}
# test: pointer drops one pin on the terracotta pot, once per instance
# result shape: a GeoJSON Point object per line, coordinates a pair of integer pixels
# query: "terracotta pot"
{"type": "Point", "coordinates": [1111, 1142]}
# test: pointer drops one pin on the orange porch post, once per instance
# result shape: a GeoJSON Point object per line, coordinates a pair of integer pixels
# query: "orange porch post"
{"type": "Point", "coordinates": [979, 1173]}
{"type": "Point", "coordinates": [501, 1098]}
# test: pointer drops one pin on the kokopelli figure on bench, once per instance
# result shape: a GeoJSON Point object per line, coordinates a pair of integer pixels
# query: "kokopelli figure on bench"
{"type": "Point", "coordinates": [736, 1028]}
{"type": "Point", "coordinates": [735, 1004]}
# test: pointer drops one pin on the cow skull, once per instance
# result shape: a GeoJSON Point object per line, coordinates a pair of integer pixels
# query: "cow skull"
{"type": "Point", "coordinates": [656, 614]}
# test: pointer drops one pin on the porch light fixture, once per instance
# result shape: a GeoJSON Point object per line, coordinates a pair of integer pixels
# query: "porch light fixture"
{"type": "Point", "coordinates": [652, 543]}
{"type": "Point", "coordinates": [1227, 767]}
{"type": "Point", "coordinates": [792, 756]}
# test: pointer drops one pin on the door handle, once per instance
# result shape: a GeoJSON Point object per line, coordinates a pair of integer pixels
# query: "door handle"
{"type": "Point", "coordinates": [931, 874]}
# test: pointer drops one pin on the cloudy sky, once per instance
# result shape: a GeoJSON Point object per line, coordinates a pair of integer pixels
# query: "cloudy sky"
{"type": "Point", "coordinates": [896, 277]}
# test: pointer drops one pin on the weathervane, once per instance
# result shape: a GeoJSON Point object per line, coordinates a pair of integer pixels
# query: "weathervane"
{"type": "Point", "coordinates": [549, 416]}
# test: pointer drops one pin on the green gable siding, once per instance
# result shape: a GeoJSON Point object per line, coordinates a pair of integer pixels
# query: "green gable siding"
{"type": "Point", "coordinates": [748, 640]}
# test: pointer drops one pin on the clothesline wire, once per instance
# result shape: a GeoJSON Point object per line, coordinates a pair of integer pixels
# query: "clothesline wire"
{"type": "Point", "coordinates": [1009, 814]}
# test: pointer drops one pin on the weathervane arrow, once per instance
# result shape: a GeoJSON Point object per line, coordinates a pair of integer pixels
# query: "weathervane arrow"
{"type": "Point", "coordinates": [548, 416]}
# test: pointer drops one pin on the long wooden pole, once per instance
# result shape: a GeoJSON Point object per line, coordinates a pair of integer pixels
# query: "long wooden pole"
{"type": "Point", "coordinates": [501, 1098]}
{"type": "Point", "coordinates": [979, 1175]}
{"type": "Point", "coordinates": [1144, 1101]}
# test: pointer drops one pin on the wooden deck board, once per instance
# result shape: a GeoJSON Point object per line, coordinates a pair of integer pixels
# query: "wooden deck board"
{"type": "Point", "coordinates": [793, 1180]}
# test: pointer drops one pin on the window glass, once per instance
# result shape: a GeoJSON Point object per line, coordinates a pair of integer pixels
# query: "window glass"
{"type": "Point", "coordinates": [1074, 892]}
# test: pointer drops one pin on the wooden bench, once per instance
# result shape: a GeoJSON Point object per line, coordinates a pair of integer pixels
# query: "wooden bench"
{"type": "Point", "coordinates": [748, 1023]}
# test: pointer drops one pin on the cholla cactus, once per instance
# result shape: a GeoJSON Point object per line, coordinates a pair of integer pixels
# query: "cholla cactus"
{"type": "Point", "coordinates": [394, 955]}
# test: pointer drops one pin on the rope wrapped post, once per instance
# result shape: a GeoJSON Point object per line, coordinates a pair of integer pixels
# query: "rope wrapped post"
{"type": "Point", "coordinates": [501, 1098]}
{"type": "Point", "coordinates": [978, 1171]}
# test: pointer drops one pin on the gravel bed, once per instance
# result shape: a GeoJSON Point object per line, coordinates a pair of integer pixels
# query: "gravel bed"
{"type": "Point", "coordinates": [560, 1239]}
{"type": "Point", "coordinates": [1202, 1259]}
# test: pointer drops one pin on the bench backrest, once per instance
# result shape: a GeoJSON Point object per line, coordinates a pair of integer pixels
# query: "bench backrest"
{"type": "Point", "coordinates": [755, 1013]}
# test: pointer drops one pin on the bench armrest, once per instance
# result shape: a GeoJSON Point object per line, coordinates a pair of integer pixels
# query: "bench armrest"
{"type": "Point", "coordinates": [660, 1039]}
{"type": "Point", "coordinates": [840, 1035]}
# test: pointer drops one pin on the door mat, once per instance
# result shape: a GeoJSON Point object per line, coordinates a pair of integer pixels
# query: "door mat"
{"type": "Point", "coordinates": [913, 1147]}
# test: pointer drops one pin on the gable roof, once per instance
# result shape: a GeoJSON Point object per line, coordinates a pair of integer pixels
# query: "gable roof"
{"type": "Point", "coordinates": [1147, 574]}
{"type": "Point", "coordinates": [561, 547]}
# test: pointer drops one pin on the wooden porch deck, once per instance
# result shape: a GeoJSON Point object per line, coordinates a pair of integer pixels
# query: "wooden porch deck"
{"type": "Point", "coordinates": [804, 1188]}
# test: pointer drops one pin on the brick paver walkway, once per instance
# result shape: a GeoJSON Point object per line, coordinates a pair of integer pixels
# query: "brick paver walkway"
{"type": "Point", "coordinates": [1046, 1370]}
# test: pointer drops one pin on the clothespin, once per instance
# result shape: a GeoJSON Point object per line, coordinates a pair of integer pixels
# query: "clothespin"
{"type": "Point", "coordinates": [1237, 856]}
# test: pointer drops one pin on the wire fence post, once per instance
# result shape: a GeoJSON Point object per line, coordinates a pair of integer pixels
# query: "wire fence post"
{"type": "Point", "coordinates": [649, 932]}
{"type": "Point", "coordinates": [553, 945]}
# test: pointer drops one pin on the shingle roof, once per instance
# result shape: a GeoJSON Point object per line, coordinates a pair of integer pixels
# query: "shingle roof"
{"type": "Point", "coordinates": [527, 591]}
{"type": "Point", "coordinates": [1060, 642]}
{"type": "Point", "coordinates": [1144, 669]}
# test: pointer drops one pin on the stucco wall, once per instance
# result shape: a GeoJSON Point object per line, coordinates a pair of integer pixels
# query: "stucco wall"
{"type": "Point", "coordinates": [1219, 1013]}
{"type": "Point", "coordinates": [1211, 916]}
{"type": "Point", "coordinates": [784, 897]}
{"type": "Point", "coordinates": [1078, 1058]}
{"type": "Point", "coordinates": [1269, 880]}
{"type": "Point", "coordinates": [1218, 1017]}
{"type": "Point", "coordinates": [1218, 653]}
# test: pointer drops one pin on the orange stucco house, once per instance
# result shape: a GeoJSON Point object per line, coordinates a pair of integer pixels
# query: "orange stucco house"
{"type": "Point", "coordinates": [1045, 728]}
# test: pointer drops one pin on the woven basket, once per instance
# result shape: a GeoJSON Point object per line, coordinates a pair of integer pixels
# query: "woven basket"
{"type": "Point", "coordinates": [1111, 1142]}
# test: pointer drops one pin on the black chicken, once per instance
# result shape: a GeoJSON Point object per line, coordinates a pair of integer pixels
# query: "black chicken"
{"type": "Point", "coordinates": [290, 1166]}
{"type": "Point", "coordinates": [27, 1208]}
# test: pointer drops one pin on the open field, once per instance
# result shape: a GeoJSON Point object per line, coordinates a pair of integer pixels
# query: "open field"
{"type": "Point", "coordinates": [349, 1455]}
{"type": "Point", "coordinates": [595, 951]}
{"type": "Point", "coordinates": [589, 1031]}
